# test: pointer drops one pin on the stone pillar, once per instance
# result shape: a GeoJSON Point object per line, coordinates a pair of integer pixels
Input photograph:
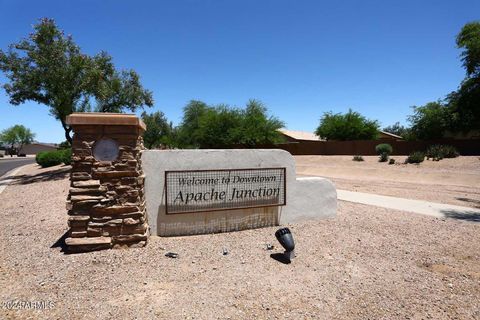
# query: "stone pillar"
{"type": "Point", "coordinates": [106, 204]}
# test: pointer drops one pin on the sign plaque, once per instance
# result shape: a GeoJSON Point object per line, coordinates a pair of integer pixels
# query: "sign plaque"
{"type": "Point", "coordinates": [190, 191]}
{"type": "Point", "coordinates": [105, 150]}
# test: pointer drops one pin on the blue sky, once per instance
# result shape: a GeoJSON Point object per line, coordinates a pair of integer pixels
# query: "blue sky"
{"type": "Point", "coordinates": [301, 58]}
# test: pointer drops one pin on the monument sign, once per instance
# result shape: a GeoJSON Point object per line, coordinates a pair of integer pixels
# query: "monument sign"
{"type": "Point", "coordinates": [120, 194]}
{"type": "Point", "coordinates": [206, 191]}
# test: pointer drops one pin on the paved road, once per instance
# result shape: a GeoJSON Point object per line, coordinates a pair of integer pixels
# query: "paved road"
{"type": "Point", "coordinates": [10, 164]}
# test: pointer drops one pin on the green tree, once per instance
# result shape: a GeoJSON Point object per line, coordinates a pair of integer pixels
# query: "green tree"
{"type": "Point", "coordinates": [49, 68]}
{"type": "Point", "coordinates": [16, 137]}
{"type": "Point", "coordinates": [219, 127]}
{"type": "Point", "coordinates": [349, 126]}
{"type": "Point", "coordinates": [397, 129]}
{"type": "Point", "coordinates": [113, 90]}
{"type": "Point", "coordinates": [465, 102]}
{"type": "Point", "coordinates": [222, 126]}
{"type": "Point", "coordinates": [187, 136]}
{"type": "Point", "coordinates": [430, 121]}
{"type": "Point", "coordinates": [469, 40]}
{"type": "Point", "coordinates": [158, 131]}
{"type": "Point", "coordinates": [257, 127]}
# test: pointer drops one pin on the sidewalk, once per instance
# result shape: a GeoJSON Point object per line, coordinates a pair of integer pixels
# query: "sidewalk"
{"type": "Point", "coordinates": [438, 210]}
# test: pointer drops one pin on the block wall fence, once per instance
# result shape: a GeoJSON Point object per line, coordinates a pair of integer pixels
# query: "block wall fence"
{"type": "Point", "coordinates": [466, 147]}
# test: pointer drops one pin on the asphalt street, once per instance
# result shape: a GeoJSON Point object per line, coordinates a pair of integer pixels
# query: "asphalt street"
{"type": "Point", "coordinates": [10, 164]}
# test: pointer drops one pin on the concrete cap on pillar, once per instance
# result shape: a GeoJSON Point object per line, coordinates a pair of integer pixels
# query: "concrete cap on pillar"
{"type": "Point", "coordinates": [98, 118]}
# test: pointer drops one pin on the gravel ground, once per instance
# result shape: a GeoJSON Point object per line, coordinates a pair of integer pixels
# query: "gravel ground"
{"type": "Point", "coordinates": [367, 263]}
{"type": "Point", "coordinates": [453, 181]}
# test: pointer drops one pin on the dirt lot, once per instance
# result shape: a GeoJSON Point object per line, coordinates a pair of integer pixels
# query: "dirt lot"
{"type": "Point", "coordinates": [454, 181]}
{"type": "Point", "coordinates": [367, 263]}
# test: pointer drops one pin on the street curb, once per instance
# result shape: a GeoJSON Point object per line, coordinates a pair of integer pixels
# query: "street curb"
{"type": "Point", "coordinates": [12, 173]}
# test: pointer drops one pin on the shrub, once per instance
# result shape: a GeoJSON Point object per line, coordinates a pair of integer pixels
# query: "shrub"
{"type": "Point", "coordinates": [438, 152]}
{"type": "Point", "coordinates": [415, 157]}
{"type": "Point", "coordinates": [450, 152]}
{"type": "Point", "coordinates": [49, 158]}
{"type": "Point", "coordinates": [391, 161]}
{"type": "Point", "coordinates": [383, 157]}
{"type": "Point", "coordinates": [37, 156]}
{"type": "Point", "coordinates": [64, 145]}
{"type": "Point", "coordinates": [434, 152]}
{"type": "Point", "coordinates": [66, 156]}
{"type": "Point", "coordinates": [358, 158]}
{"type": "Point", "coordinates": [384, 150]}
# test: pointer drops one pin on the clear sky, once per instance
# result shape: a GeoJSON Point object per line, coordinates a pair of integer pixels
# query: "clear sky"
{"type": "Point", "coordinates": [301, 58]}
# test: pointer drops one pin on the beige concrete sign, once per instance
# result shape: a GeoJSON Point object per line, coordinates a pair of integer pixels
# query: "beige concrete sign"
{"type": "Point", "coordinates": [256, 176]}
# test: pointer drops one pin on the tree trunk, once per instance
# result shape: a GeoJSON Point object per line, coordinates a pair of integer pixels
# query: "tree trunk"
{"type": "Point", "coordinates": [67, 132]}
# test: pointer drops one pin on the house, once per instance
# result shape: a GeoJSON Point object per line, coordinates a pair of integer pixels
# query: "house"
{"type": "Point", "coordinates": [36, 147]}
{"type": "Point", "coordinates": [299, 136]}
{"type": "Point", "coordinates": [384, 135]}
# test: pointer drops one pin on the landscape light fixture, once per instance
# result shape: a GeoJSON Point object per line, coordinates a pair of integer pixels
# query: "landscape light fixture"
{"type": "Point", "coordinates": [285, 237]}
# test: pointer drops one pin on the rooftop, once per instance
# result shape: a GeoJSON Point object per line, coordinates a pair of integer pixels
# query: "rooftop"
{"type": "Point", "coordinates": [301, 135]}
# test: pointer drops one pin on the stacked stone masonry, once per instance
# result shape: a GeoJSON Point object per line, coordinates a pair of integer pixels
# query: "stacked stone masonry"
{"type": "Point", "coordinates": [106, 203]}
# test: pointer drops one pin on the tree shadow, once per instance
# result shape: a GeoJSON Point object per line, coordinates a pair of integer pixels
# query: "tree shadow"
{"type": "Point", "coordinates": [58, 174]}
{"type": "Point", "coordinates": [465, 215]}
{"type": "Point", "coordinates": [476, 203]}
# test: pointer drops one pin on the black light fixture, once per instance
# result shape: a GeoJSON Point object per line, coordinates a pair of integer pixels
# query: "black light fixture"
{"type": "Point", "coordinates": [285, 237]}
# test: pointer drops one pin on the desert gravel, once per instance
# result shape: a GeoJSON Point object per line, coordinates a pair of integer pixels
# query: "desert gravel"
{"type": "Point", "coordinates": [452, 181]}
{"type": "Point", "coordinates": [367, 263]}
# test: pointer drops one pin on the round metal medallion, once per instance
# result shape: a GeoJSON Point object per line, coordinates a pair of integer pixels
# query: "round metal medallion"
{"type": "Point", "coordinates": [105, 150]}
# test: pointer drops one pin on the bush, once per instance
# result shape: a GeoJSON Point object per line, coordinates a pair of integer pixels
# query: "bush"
{"type": "Point", "coordinates": [38, 155]}
{"type": "Point", "coordinates": [415, 157]}
{"type": "Point", "coordinates": [64, 145]}
{"type": "Point", "coordinates": [434, 152]}
{"type": "Point", "coordinates": [358, 158]}
{"type": "Point", "coordinates": [51, 158]}
{"type": "Point", "coordinates": [438, 152]}
{"type": "Point", "coordinates": [450, 152]}
{"type": "Point", "coordinates": [391, 161]}
{"type": "Point", "coordinates": [66, 156]}
{"type": "Point", "coordinates": [384, 150]}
